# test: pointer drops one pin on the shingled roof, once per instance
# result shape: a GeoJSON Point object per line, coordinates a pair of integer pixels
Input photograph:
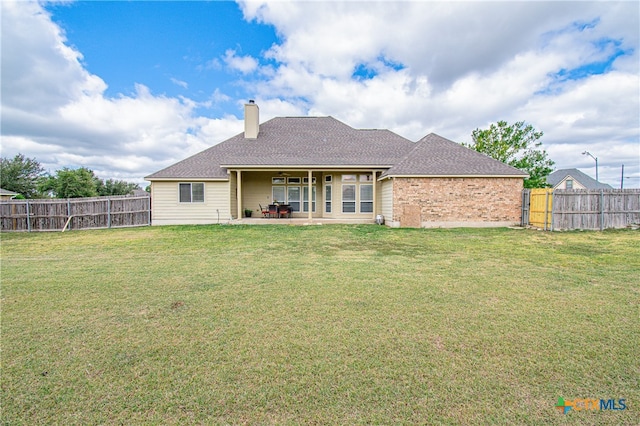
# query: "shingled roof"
{"type": "Point", "coordinates": [294, 142]}
{"type": "Point", "coordinates": [585, 180]}
{"type": "Point", "coordinates": [6, 192]}
{"type": "Point", "coordinates": [434, 155]}
{"type": "Point", "coordinates": [324, 141]}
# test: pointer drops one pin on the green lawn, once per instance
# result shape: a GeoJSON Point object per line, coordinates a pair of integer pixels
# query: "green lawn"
{"type": "Point", "coordinates": [318, 325]}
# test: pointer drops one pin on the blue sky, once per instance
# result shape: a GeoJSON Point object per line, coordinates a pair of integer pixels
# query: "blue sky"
{"type": "Point", "coordinates": [174, 48]}
{"type": "Point", "coordinates": [127, 88]}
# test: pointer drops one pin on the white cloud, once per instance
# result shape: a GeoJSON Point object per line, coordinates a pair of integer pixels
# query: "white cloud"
{"type": "Point", "coordinates": [244, 64]}
{"type": "Point", "coordinates": [465, 65]}
{"type": "Point", "coordinates": [445, 67]}
{"type": "Point", "coordinates": [56, 111]}
{"type": "Point", "coordinates": [180, 83]}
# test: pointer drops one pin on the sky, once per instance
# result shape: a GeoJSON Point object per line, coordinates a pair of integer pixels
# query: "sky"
{"type": "Point", "coordinates": [128, 88]}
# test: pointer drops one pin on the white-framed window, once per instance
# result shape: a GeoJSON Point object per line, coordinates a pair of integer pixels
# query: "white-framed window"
{"type": "Point", "coordinates": [279, 194]}
{"type": "Point", "coordinates": [366, 198]}
{"type": "Point", "coordinates": [295, 180]}
{"type": "Point", "coordinates": [348, 198]}
{"type": "Point", "coordinates": [366, 178]}
{"type": "Point", "coordinates": [306, 180]}
{"type": "Point", "coordinates": [327, 198]}
{"type": "Point", "coordinates": [328, 178]}
{"type": "Point", "coordinates": [293, 198]}
{"type": "Point", "coordinates": [569, 184]}
{"type": "Point", "coordinates": [349, 178]}
{"type": "Point", "coordinates": [278, 180]}
{"type": "Point", "coordinates": [305, 199]}
{"type": "Point", "coordinates": [192, 192]}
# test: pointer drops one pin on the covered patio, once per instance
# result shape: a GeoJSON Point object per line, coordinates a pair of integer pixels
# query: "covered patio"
{"type": "Point", "coordinates": [300, 221]}
{"type": "Point", "coordinates": [349, 194]}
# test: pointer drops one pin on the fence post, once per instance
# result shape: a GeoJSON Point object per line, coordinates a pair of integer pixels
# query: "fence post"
{"type": "Point", "coordinates": [546, 209]}
{"type": "Point", "coordinates": [68, 214]}
{"type": "Point", "coordinates": [601, 209]}
{"type": "Point", "coordinates": [109, 212]}
{"type": "Point", "coordinates": [526, 206]}
{"type": "Point", "coordinates": [28, 218]}
{"type": "Point", "coordinates": [553, 204]}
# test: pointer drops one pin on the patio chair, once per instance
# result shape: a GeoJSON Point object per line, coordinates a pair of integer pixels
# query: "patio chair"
{"type": "Point", "coordinates": [284, 211]}
{"type": "Point", "coordinates": [264, 210]}
{"type": "Point", "coordinates": [273, 210]}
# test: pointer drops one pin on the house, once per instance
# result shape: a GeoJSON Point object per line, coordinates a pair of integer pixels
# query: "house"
{"type": "Point", "coordinates": [7, 195]}
{"type": "Point", "coordinates": [325, 169]}
{"type": "Point", "coordinates": [574, 179]}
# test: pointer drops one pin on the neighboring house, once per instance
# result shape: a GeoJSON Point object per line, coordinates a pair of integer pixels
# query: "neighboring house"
{"type": "Point", "coordinates": [350, 174]}
{"type": "Point", "coordinates": [139, 193]}
{"type": "Point", "coordinates": [6, 195]}
{"type": "Point", "coordinates": [574, 179]}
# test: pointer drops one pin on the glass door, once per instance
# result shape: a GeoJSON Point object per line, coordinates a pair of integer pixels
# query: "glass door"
{"type": "Point", "coordinates": [305, 199]}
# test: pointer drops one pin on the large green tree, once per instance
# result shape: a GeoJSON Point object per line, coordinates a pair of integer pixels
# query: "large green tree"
{"type": "Point", "coordinates": [517, 145]}
{"type": "Point", "coordinates": [82, 182]}
{"type": "Point", "coordinates": [115, 187]}
{"type": "Point", "coordinates": [21, 175]}
{"type": "Point", "coordinates": [71, 183]}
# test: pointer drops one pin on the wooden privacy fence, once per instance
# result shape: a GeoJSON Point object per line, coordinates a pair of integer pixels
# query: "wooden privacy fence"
{"type": "Point", "coordinates": [566, 209]}
{"type": "Point", "coordinates": [75, 213]}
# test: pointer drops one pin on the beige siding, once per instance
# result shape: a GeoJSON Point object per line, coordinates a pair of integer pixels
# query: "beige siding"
{"type": "Point", "coordinates": [387, 202]}
{"type": "Point", "coordinates": [166, 208]}
{"type": "Point", "coordinates": [576, 184]}
{"type": "Point", "coordinates": [233, 194]}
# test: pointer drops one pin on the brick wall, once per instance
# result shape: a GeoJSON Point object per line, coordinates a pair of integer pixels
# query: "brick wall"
{"type": "Point", "coordinates": [457, 201]}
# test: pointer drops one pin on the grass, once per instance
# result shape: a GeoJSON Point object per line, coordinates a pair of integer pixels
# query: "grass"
{"type": "Point", "coordinates": [318, 325]}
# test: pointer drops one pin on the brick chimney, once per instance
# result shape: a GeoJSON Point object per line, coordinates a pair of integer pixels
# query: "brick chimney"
{"type": "Point", "coordinates": [251, 120]}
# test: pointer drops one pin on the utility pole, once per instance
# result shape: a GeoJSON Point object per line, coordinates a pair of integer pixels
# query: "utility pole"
{"type": "Point", "coordinates": [595, 158]}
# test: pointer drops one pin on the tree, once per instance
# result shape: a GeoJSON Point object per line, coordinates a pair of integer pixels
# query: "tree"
{"type": "Point", "coordinates": [518, 146]}
{"type": "Point", "coordinates": [115, 187]}
{"type": "Point", "coordinates": [20, 175]}
{"type": "Point", "coordinates": [71, 183]}
{"type": "Point", "coordinates": [82, 182]}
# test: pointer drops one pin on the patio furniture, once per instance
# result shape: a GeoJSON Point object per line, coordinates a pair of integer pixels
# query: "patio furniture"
{"type": "Point", "coordinates": [273, 210]}
{"type": "Point", "coordinates": [264, 210]}
{"type": "Point", "coordinates": [284, 210]}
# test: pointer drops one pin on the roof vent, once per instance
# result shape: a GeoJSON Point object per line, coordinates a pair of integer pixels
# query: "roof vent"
{"type": "Point", "coordinates": [251, 120]}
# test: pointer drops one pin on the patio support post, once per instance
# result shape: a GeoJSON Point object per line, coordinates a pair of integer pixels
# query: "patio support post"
{"type": "Point", "coordinates": [375, 190]}
{"type": "Point", "coordinates": [239, 194]}
{"type": "Point", "coordinates": [310, 183]}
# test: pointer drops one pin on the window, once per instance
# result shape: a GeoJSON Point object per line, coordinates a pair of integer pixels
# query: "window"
{"type": "Point", "coordinates": [366, 198]}
{"type": "Point", "coordinates": [278, 180]}
{"type": "Point", "coordinates": [305, 198]}
{"type": "Point", "coordinates": [327, 198]}
{"type": "Point", "coordinates": [306, 180]}
{"type": "Point", "coordinates": [348, 178]}
{"type": "Point", "coordinates": [348, 198]}
{"type": "Point", "coordinates": [569, 184]}
{"type": "Point", "coordinates": [192, 192]}
{"type": "Point", "coordinates": [366, 178]}
{"type": "Point", "coordinates": [278, 194]}
{"type": "Point", "coordinates": [293, 180]}
{"type": "Point", "coordinates": [293, 193]}
{"type": "Point", "coordinates": [328, 178]}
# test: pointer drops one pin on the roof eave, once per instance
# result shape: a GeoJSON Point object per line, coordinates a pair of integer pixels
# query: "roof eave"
{"type": "Point", "coordinates": [304, 166]}
{"type": "Point", "coordinates": [452, 176]}
{"type": "Point", "coordinates": [185, 179]}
